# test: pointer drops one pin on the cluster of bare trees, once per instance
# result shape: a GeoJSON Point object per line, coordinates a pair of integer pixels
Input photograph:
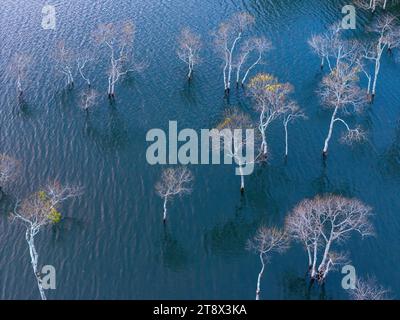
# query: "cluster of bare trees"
{"type": "Point", "coordinates": [271, 102]}
{"type": "Point", "coordinates": [372, 5]}
{"type": "Point", "coordinates": [321, 225]}
{"type": "Point", "coordinates": [228, 39]}
{"type": "Point", "coordinates": [340, 90]}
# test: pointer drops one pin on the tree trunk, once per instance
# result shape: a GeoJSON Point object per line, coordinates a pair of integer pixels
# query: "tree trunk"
{"type": "Point", "coordinates": [34, 260]}
{"type": "Point", "coordinates": [314, 264]}
{"type": "Point", "coordinates": [328, 138]}
{"type": "Point", "coordinates": [241, 179]}
{"type": "Point", "coordinates": [286, 140]}
{"type": "Point", "coordinates": [165, 209]}
{"type": "Point", "coordinates": [258, 290]}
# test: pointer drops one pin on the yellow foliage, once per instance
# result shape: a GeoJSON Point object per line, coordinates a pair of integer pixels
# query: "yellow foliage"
{"type": "Point", "coordinates": [54, 216]}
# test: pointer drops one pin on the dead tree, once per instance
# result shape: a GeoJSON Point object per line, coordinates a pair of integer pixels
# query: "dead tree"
{"type": "Point", "coordinates": [321, 223]}
{"type": "Point", "coordinates": [235, 136]}
{"type": "Point", "coordinates": [9, 169]}
{"type": "Point", "coordinates": [368, 289]}
{"type": "Point", "coordinates": [88, 99]}
{"type": "Point", "coordinates": [119, 39]}
{"type": "Point", "coordinates": [271, 101]}
{"type": "Point", "coordinates": [227, 37]}
{"type": "Point", "coordinates": [340, 92]}
{"type": "Point", "coordinates": [18, 68]}
{"type": "Point", "coordinates": [65, 62]}
{"type": "Point", "coordinates": [83, 59]}
{"type": "Point", "coordinates": [174, 182]}
{"type": "Point", "coordinates": [39, 210]}
{"type": "Point", "coordinates": [292, 113]}
{"type": "Point", "coordinates": [388, 37]}
{"type": "Point", "coordinates": [188, 50]}
{"type": "Point", "coordinates": [255, 45]}
{"type": "Point", "coordinates": [265, 242]}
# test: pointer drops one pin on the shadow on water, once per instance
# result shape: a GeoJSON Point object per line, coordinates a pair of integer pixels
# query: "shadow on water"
{"type": "Point", "coordinates": [174, 256]}
{"type": "Point", "coordinates": [230, 238]}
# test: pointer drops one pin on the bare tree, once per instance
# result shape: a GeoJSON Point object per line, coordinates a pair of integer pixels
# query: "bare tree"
{"type": "Point", "coordinates": [38, 210]}
{"type": "Point", "coordinates": [18, 68]}
{"type": "Point", "coordinates": [227, 36]}
{"type": "Point", "coordinates": [371, 4]}
{"type": "Point", "coordinates": [271, 102]}
{"type": "Point", "coordinates": [257, 45]}
{"type": "Point", "coordinates": [189, 48]}
{"type": "Point", "coordinates": [320, 45]}
{"type": "Point", "coordinates": [174, 182]}
{"type": "Point", "coordinates": [330, 47]}
{"type": "Point", "coordinates": [119, 38]}
{"type": "Point", "coordinates": [340, 91]}
{"type": "Point", "coordinates": [324, 221]}
{"type": "Point", "coordinates": [83, 59]}
{"type": "Point", "coordinates": [292, 113]}
{"type": "Point", "coordinates": [388, 38]}
{"type": "Point", "coordinates": [9, 168]}
{"type": "Point", "coordinates": [265, 242]}
{"type": "Point", "coordinates": [368, 289]}
{"type": "Point", "coordinates": [233, 142]}
{"type": "Point", "coordinates": [88, 99]}
{"type": "Point", "coordinates": [65, 61]}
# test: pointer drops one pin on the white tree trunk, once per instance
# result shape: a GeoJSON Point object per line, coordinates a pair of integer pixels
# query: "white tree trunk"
{"type": "Point", "coordinates": [286, 139]}
{"type": "Point", "coordinates": [314, 264]}
{"type": "Point", "coordinates": [380, 50]}
{"type": "Point", "coordinates": [19, 85]}
{"type": "Point", "coordinates": [325, 256]}
{"type": "Point", "coordinates": [258, 290]}
{"type": "Point", "coordinates": [165, 209]}
{"type": "Point", "coordinates": [328, 138]}
{"type": "Point", "coordinates": [251, 67]}
{"type": "Point", "coordinates": [241, 178]}
{"type": "Point", "coordinates": [29, 235]}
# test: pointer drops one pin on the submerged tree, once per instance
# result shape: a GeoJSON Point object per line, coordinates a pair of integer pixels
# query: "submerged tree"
{"type": "Point", "coordinates": [188, 50]}
{"type": "Point", "coordinates": [227, 36]}
{"type": "Point", "coordinates": [83, 59]}
{"type": "Point", "coordinates": [236, 138]}
{"type": "Point", "coordinates": [65, 62]}
{"type": "Point", "coordinates": [265, 242]}
{"type": "Point", "coordinates": [368, 289]}
{"type": "Point", "coordinates": [88, 99]}
{"type": "Point", "coordinates": [340, 91]}
{"type": "Point", "coordinates": [174, 182]}
{"type": "Point", "coordinates": [330, 47]}
{"type": "Point", "coordinates": [257, 45]}
{"type": "Point", "coordinates": [119, 39]}
{"type": "Point", "coordinates": [37, 211]}
{"type": "Point", "coordinates": [322, 222]}
{"type": "Point", "coordinates": [271, 102]}
{"type": "Point", "coordinates": [388, 38]}
{"type": "Point", "coordinates": [9, 168]}
{"type": "Point", "coordinates": [293, 113]}
{"type": "Point", "coordinates": [371, 4]}
{"type": "Point", "coordinates": [18, 68]}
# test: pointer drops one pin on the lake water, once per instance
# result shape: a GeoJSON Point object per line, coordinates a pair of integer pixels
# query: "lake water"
{"type": "Point", "coordinates": [112, 243]}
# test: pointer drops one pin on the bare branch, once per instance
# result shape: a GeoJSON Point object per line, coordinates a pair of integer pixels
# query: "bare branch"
{"type": "Point", "coordinates": [9, 170]}
{"type": "Point", "coordinates": [369, 289]}
{"type": "Point", "coordinates": [189, 48]}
